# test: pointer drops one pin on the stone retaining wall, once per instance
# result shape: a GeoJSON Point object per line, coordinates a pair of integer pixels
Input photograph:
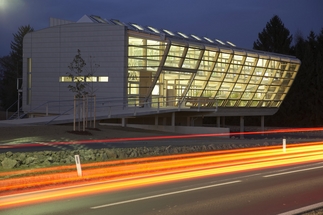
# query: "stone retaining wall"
{"type": "Point", "coordinates": [25, 160]}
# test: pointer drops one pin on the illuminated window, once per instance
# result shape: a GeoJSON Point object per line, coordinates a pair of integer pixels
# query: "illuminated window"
{"type": "Point", "coordinates": [65, 79]}
{"type": "Point", "coordinates": [91, 79]}
{"type": "Point", "coordinates": [103, 78]}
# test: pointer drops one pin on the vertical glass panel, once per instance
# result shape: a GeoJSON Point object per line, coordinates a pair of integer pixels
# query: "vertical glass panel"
{"type": "Point", "coordinates": [261, 63]}
{"type": "Point", "coordinates": [247, 69]}
{"type": "Point", "coordinates": [224, 57]}
{"type": "Point", "coordinates": [251, 87]}
{"type": "Point", "coordinates": [243, 103]}
{"type": "Point", "coordinates": [231, 103]}
{"type": "Point", "coordinates": [135, 41]}
{"type": "Point", "coordinates": [221, 67]}
{"type": "Point", "coordinates": [237, 59]}
{"type": "Point", "coordinates": [172, 61]}
{"type": "Point", "coordinates": [259, 96]}
{"type": "Point", "coordinates": [250, 60]}
{"type": "Point", "coordinates": [190, 63]}
{"type": "Point", "coordinates": [243, 78]}
{"type": "Point", "coordinates": [239, 87]}
{"type": "Point", "coordinates": [235, 95]}
{"type": "Point", "coordinates": [273, 64]}
{"type": "Point", "coordinates": [217, 76]}
{"type": "Point", "coordinates": [193, 53]}
{"type": "Point", "coordinates": [234, 68]}
{"type": "Point", "coordinates": [247, 95]}
{"type": "Point", "coordinates": [176, 51]}
{"type": "Point", "coordinates": [254, 103]}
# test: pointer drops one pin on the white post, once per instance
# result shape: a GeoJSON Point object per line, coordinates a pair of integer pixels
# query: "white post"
{"type": "Point", "coordinates": [94, 112]}
{"type": "Point", "coordinates": [74, 120]}
{"type": "Point", "coordinates": [284, 145]}
{"type": "Point", "coordinates": [78, 165]}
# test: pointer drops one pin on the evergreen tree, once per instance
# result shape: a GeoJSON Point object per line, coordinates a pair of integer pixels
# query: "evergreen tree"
{"type": "Point", "coordinates": [274, 38]}
{"type": "Point", "coordinates": [11, 68]}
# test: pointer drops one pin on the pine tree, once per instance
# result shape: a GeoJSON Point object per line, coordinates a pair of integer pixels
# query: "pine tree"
{"type": "Point", "coordinates": [274, 38]}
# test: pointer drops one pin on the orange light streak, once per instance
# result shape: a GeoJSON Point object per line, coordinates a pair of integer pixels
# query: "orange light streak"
{"type": "Point", "coordinates": [184, 167]}
{"type": "Point", "coordinates": [138, 182]}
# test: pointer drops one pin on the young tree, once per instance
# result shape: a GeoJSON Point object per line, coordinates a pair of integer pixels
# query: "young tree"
{"type": "Point", "coordinates": [76, 74]}
{"type": "Point", "coordinates": [82, 77]}
{"type": "Point", "coordinates": [274, 38]}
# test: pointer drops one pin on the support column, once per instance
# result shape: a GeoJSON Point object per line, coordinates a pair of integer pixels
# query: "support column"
{"type": "Point", "coordinates": [156, 120]}
{"type": "Point", "coordinates": [241, 127]}
{"type": "Point", "coordinates": [262, 124]}
{"type": "Point", "coordinates": [188, 121]}
{"type": "Point", "coordinates": [223, 121]}
{"type": "Point", "coordinates": [218, 121]}
{"type": "Point", "coordinates": [124, 122]}
{"type": "Point", "coordinates": [173, 121]}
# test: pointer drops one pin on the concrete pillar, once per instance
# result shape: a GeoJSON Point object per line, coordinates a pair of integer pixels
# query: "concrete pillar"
{"type": "Point", "coordinates": [262, 124]}
{"type": "Point", "coordinates": [241, 127]}
{"type": "Point", "coordinates": [124, 122]}
{"type": "Point", "coordinates": [218, 121]}
{"type": "Point", "coordinates": [156, 120]}
{"type": "Point", "coordinates": [173, 119]}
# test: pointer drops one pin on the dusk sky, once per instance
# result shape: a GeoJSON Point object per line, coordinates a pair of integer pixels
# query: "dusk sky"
{"type": "Point", "coordinates": [237, 21]}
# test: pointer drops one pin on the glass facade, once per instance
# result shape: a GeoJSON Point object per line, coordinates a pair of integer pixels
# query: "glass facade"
{"type": "Point", "coordinates": [174, 72]}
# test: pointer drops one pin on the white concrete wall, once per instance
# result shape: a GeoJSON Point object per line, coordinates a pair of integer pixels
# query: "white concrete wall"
{"type": "Point", "coordinates": [53, 49]}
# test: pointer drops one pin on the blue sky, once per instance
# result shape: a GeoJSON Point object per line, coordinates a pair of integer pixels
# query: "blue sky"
{"type": "Point", "coordinates": [238, 21]}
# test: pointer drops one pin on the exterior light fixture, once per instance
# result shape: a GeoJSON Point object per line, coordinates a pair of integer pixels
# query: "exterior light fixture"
{"type": "Point", "coordinates": [231, 44]}
{"type": "Point", "coordinates": [137, 26]}
{"type": "Point", "coordinates": [219, 41]}
{"type": "Point", "coordinates": [153, 29]}
{"type": "Point", "coordinates": [183, 35]}
{"type": "Point", "coordinates": [208, 39]}
{"type": "Point", "coordinates": [195, 37]}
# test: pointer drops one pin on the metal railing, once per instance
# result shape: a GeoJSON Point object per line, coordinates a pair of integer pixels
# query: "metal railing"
{"type": "Point", "coordinates": [132, 106]}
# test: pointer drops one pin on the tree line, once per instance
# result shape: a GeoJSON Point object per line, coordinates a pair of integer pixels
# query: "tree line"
{"type": "Point", "coordinates": [302, 106]}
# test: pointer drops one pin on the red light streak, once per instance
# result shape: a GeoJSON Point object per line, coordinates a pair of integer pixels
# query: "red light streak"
{"type": "Point", "coordinates": [288, 130]}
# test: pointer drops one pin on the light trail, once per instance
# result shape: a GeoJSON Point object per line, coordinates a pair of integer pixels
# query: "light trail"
{"type": "Point", "coordinates": [187, 136]}
{"type": "Point", "coordinates": [140, 166]}
{"type": "Point", "coordinates": [161, 170]}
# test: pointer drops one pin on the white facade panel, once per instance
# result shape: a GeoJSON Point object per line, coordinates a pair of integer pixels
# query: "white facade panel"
{"type": "Point", "coordinates": [53, 49]}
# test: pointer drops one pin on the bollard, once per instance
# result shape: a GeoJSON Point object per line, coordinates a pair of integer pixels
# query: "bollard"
{"type": "Point", "coordinates": [78, 165]}
{"type": "Point", "coordinates": [284, 145]}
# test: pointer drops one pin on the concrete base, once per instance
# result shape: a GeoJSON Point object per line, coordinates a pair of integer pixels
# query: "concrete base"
{"type": "Point", "coordinates": [180, 129]}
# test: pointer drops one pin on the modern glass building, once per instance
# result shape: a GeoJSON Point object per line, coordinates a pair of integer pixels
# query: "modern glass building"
{"type": "Point", "coordinates": [159, 68]}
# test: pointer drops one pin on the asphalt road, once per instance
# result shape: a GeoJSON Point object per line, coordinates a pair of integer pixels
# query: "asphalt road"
{"type": "Point", "coordinates": [269, 191]}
